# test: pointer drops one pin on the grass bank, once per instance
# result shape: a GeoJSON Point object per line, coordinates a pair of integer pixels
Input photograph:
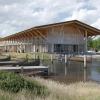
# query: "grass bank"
{"type": "Point", "coordinates": [15, 55]}
{"type": "Point", "coordinates": [17, 87]}
{"type": "Point", "coordinates": [50, 90]}
{"type": "Point", "coordinates": [75, 91]}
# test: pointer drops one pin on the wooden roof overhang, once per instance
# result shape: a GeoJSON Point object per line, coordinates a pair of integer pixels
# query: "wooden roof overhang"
{"type": "Point", "coordinates": [40, 31]}
{"type": "Point", "coordinates": [26, 34]}
{"type": "Point", "coordinates": [92, 31]}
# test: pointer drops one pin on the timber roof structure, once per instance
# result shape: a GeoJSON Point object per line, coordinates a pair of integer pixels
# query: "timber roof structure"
{"type": "Point", "coordinates": [35, 31]}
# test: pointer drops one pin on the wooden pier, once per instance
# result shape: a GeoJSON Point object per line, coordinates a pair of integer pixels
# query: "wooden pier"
{"type": "Point", "coordinates": [8, 62]}
{"type": "Point", "coordinates": [23, 69]}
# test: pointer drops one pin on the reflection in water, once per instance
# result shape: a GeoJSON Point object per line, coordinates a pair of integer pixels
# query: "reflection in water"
{"type": "Point", "coordinates": [65, 70]}
{"type": "Point", "coordinates": [74, 71]}
{"type": "Point", "coordinates": [84, 72]}
{"type": "Point", "coordinates": [85, 75]}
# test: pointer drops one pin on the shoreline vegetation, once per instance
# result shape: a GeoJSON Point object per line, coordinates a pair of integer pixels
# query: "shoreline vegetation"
{"type": "Point", "coordinates": [27, 55]}
{"type": "Point", "coordinates": [45, 56]}
{"type": "Point", "coordinates": [46, 89]}
{"type": "Point", "coordinates": [17, 87]}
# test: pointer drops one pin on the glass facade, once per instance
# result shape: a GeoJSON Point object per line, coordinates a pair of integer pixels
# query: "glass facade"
{"type": "Point", "coordinates": [69, 49]}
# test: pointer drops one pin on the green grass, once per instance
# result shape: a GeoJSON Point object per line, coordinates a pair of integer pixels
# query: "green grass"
{"type": "Point", "coordinates": [14, 55]}
{"type": "Point", "coordinates": [54, 91]}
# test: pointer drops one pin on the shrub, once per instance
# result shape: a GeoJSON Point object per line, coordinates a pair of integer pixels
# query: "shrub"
{"type": "Point", "coordinates": [11, 82]}
{"type": "Point", "coordinates": [14, 83]}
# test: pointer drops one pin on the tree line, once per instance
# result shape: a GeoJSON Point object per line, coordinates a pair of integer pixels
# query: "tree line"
{"type": "Point", "coordinates": [94, 44]}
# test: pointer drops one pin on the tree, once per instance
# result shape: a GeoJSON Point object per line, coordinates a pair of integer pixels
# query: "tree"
{"type": "Point", "coordinates": [90, 43]}
{"type": "Point", "coordinates": [94, 44]}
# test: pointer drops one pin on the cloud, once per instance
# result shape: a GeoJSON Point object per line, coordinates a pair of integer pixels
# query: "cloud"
{"type": "Point", "coordinates": [17, 15]}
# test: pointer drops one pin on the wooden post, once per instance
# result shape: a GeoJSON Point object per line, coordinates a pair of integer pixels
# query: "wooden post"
{"type": "Point", "coordinates": [66, 60]}
{"type": "Point", "coordinates": [85, 75]}
{"type": "Point", "coordinates": [52, 50]}
{"type": "Point", "coordinates": [65, 70]}
{"type": "Point", "coordinates": [27, 57]}
{"type": "Point", "coordinates": [85, 60]}
{"type": "Point", "coordinates": [42, 56]}
{"type": "Point", "coordinates": [91, 58]}
{"type": "Point", "coordinates": [34, 47]}
{"type": "Point", "coordinates": [51, 58]}
{"type": "Point", "coordinates": [22, 70]}
{"type": "Point", "coordinates": [33, 55]}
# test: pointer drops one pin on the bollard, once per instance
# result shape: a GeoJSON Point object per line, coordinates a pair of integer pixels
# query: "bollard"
{"type": "Point", "coordinates": [85, 76]}
{"type": "Point", "coordinates": [91, 58]}
{"type": "Point", "coordinates": [22, 70]}
{"type": "Point", "coordinates": [27, 57]}
{"type": "Point", "coordinates": [33, 55]}
{"type": "Point", "coordinates": [66, 59]}
{"type": "Point", "coordinates": [85, 61]}
{"type": "Point", "coordinates": [65, 70]}
{"type": "Point", "coordinates": [52, 58]}
{"type": "Point", "coordinates": [42, 56]}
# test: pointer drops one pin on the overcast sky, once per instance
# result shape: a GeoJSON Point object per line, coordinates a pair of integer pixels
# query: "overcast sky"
{"type": "Point", "coordinates": [18, 15]}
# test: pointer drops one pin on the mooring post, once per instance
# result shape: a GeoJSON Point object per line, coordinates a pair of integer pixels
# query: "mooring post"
{"type": "Point", "coordinates": [85, 53]}
{"type": "Point", "coordinates": [52, 58]}
{"type": "Point", "coordinates": [66, 60]}
{"type": "Point", "coordinates": [22, 70]}
{"type": "Point", "coordinates": [85, 61]}
{"type": "Point", "coordinates": [42, 56]}
{"type": "Point", "coordinates": [27, 57]}
{"type": "Point", "coordinates": [33, 55]}
{"type": "Point", "coordinates": [65, 70]}
{"type": "Point", "coordinates": [91, 58]}
{"type": "Point", "coordinates": [85, 75]}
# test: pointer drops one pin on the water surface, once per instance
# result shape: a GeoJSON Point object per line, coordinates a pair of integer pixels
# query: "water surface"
{"type": "Point", "coordinates": [74, 71]}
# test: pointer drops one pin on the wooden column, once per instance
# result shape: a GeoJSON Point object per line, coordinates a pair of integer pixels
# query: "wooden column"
{"type": "Point", "coordinates": [34, 48]}
{"type": "Point", "coordinates": [52, 48]}
{"type": "Point", "coordinates": [51, 58]}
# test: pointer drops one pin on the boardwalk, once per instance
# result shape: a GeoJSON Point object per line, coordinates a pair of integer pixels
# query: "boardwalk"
{"type": "Point", "coordinates": [21, 69]}
{"type": "Point", "coordinates": [24, 67]}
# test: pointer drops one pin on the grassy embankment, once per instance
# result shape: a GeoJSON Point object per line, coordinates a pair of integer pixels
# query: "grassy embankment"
{"type": "Point", "coordinates": [18, 87]}
{"type": "Point", "coordinates": [40, 89]}
{"type": "Point", "coordinates": [45, 56]}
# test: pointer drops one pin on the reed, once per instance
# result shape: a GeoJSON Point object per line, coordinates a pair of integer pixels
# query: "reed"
{"type": "Point", "coordinates": [28, 88]}
{"type": "Point", "coordinates": [57, 91]}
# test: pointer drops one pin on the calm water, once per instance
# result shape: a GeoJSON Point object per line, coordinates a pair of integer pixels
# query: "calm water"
{"type": "Point", "coordinates": [74, 71]}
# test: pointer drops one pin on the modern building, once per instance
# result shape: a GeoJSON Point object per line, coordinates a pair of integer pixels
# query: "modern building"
{"type": "Point", "coordinates": [63, 37]}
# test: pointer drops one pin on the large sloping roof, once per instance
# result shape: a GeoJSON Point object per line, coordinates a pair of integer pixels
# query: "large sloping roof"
{"type": "Point", "coordinates": [77, 23]}
{"type": "Point", "coordinates": [92, 30]}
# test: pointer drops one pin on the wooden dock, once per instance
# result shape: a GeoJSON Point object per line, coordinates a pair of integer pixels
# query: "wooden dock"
{"type": "Point", "coordinates": [80, 59]}
{"type": "Point", "coordinates": [2, 63]}
{"type": "Point", "coordinates": [23, 69]}
{"type": "Point", "coordinates": [20, 63]}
